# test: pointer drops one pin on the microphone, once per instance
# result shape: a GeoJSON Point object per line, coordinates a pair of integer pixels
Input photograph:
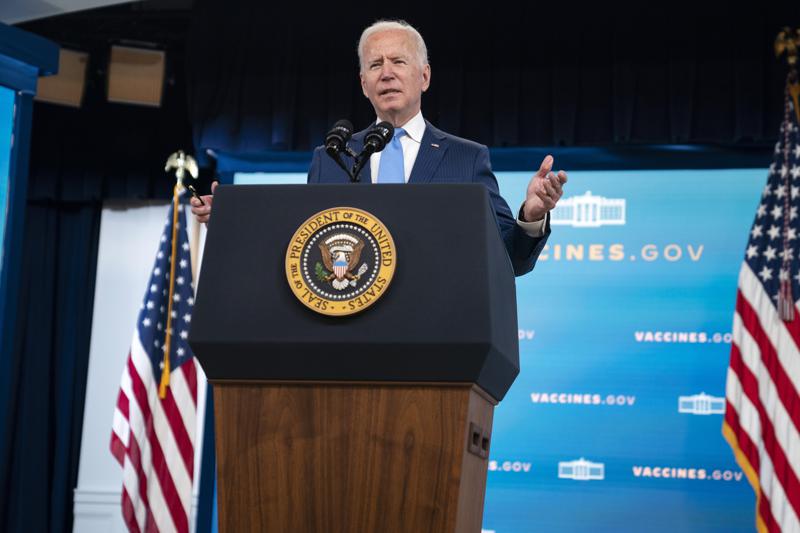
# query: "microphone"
{"type": "Point", "coordinates": [375, 141]}
{"type": "Point", "coordinates": [336, 143]}
{"type": "Point", "coordinates": [336, 139]}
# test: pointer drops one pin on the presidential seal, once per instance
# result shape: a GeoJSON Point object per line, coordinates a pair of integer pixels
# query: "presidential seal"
{"type": "Point", "coordinates": [340, 261]}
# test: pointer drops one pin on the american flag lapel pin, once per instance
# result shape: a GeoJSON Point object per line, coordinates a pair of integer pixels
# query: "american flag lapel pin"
{"type": "Point", "coordinates": [435, 145]}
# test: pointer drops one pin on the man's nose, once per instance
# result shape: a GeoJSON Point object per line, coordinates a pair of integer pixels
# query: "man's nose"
{"type": "Point", "coordinates": [387, 70]}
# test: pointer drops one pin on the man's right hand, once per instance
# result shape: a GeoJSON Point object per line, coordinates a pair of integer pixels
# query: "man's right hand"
{"type": "Point", "coordinates": [203, 212]}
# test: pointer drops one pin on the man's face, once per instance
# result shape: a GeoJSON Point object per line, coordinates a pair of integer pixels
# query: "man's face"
{"type": "Point", "coordinates": [391, 76]}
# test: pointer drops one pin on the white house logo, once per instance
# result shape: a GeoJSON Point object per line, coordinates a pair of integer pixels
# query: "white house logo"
{"type": "Point", "coordinates": [581, 470]}
{"type": "Point", "coordinates": [589, 211]}
{"type": "Point", "coordinates": [701, 404]}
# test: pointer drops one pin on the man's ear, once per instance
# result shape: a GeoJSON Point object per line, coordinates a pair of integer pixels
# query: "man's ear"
{"type": "Point", "coordinates": [426, 78]}
{"type": "Point", "coordinates": [363, 83]}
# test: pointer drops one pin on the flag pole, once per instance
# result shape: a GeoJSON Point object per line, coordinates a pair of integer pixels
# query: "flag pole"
{"type": "Point", "coordinates": [787, 42]}
{"type": "Point", "coordinates": [165, 370]}
{"type": "Point", "coordinates": [182, 163]}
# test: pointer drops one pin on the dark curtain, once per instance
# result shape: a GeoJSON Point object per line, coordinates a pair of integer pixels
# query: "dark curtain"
{"type": "Point", "coordinates": [45, 400]}
{"type": "Point", "coordinates": [267, 76]}
{"type": "Point", "coordinates": [79, 158]}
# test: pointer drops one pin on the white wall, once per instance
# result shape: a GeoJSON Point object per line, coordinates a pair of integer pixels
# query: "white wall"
{"type": "Point", "coordinates": [129, 238]}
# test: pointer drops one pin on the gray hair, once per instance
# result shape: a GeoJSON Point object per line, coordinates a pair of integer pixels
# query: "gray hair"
{"type": "Point", "coordinates": [384, 25]}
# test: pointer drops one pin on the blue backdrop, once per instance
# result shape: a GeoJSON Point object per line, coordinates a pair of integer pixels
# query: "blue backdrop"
{"type": "Point", "coordinates": [614, 423]}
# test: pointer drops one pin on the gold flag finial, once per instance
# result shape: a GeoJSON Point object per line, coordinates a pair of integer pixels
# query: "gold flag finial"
{"type": "Point", "coordinates": [788, 41]}
{"type": "Point", "coordinates": [182, 163]}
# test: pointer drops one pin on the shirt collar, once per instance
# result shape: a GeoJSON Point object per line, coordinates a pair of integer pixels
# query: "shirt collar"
{"type": "Point", "coordinates": [415, 127]}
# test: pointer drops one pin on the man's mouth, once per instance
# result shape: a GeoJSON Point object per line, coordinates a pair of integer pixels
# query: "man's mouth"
{"type": "Point", "coordinates": [388, 91]}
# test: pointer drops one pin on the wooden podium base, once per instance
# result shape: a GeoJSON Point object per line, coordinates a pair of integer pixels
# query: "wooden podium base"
{"type": "Point", "coordinates": [351, 457]}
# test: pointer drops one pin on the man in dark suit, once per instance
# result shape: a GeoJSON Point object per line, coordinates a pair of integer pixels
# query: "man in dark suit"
{"type": "Point", "coordinates": [394, 74]}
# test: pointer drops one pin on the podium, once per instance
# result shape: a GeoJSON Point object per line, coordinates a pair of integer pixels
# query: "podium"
{"type": "Point", "coordinates": [378, 421]}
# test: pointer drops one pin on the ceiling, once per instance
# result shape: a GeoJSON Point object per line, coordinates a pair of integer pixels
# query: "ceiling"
{"type": "Point", "coordinates": [15, 11]}
{"type": "Point", "coordinates": [18, 11]}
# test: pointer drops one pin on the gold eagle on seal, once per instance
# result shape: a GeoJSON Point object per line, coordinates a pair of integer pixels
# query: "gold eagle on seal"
{"type": "Point", "coordinates": [340, 255]}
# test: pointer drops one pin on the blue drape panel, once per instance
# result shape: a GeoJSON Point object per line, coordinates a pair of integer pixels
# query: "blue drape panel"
{"type": "Point", "coordinates": [79, 159]}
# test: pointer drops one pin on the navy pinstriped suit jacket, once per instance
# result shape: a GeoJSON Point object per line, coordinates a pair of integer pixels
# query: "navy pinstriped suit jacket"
{"type": "Point", "coordinates": [456, 160]}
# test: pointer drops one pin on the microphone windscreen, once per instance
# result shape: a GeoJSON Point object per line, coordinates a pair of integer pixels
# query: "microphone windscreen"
{"type": "Point", "coordinates": [380, 134]}
{"type": "Point", "coordinates": [339, 134]}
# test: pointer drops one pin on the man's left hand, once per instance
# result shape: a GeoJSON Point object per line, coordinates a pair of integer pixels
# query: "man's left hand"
{"type": "Point", "coordinates": [544, 191]}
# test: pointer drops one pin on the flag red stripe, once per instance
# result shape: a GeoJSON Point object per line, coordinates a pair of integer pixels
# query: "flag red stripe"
{"type": "Point", "coordinates": [743, 438]}
{"type": "Point", "coordinates": [781, 467]}
{"type": "Point", "coordinates": [765, 512]}
{"type": "Point", "coordinates": [794, 328]}
{"type": "Point", "coordinates": [750, 450]}
{"type": "Point", "coordinates": [128, 513]}
{"type": "Point", "coordinates": [182, 438]}
{"type": "Point", "coordinates": [190, 373]}
{"type": "Point", "coordinates": [160, 466]}
{"type": "Point", "coordinates": [769, 358]}
{"type": "Point", "coordinates": [746, 445]}
{"type": "Point", "coordinates": [117, 449]}
{"type": "Point", "coordinates": [135, 456]}
{"type": "Point", "coordinates": [122, 403]}
{"type": "Point", "coordinates": [150, 524]}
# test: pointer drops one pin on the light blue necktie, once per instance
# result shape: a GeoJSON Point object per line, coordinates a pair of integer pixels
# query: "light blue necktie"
{"type": "Point", "coordinates": [391, 169]}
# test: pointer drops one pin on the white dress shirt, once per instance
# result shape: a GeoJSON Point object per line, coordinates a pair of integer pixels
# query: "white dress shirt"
{"type": "Point", "coordinates": [411, 142]}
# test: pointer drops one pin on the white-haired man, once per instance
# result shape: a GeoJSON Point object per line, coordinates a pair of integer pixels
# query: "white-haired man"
{"type": "Point", "coordinates": [394, 73]}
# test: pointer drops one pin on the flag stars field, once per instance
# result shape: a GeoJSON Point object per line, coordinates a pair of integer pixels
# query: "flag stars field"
{"type": "Point", "coordinates": [774, 232]}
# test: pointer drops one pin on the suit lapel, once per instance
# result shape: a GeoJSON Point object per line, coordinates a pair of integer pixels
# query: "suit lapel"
{"type": "Point", "coordinates": [431, 150]}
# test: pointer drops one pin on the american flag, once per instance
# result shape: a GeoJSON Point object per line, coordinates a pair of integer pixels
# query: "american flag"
{"type": "Point", "coordinates": [153, 431]}
{"type": "Point", "coordinates": [762, 412]}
